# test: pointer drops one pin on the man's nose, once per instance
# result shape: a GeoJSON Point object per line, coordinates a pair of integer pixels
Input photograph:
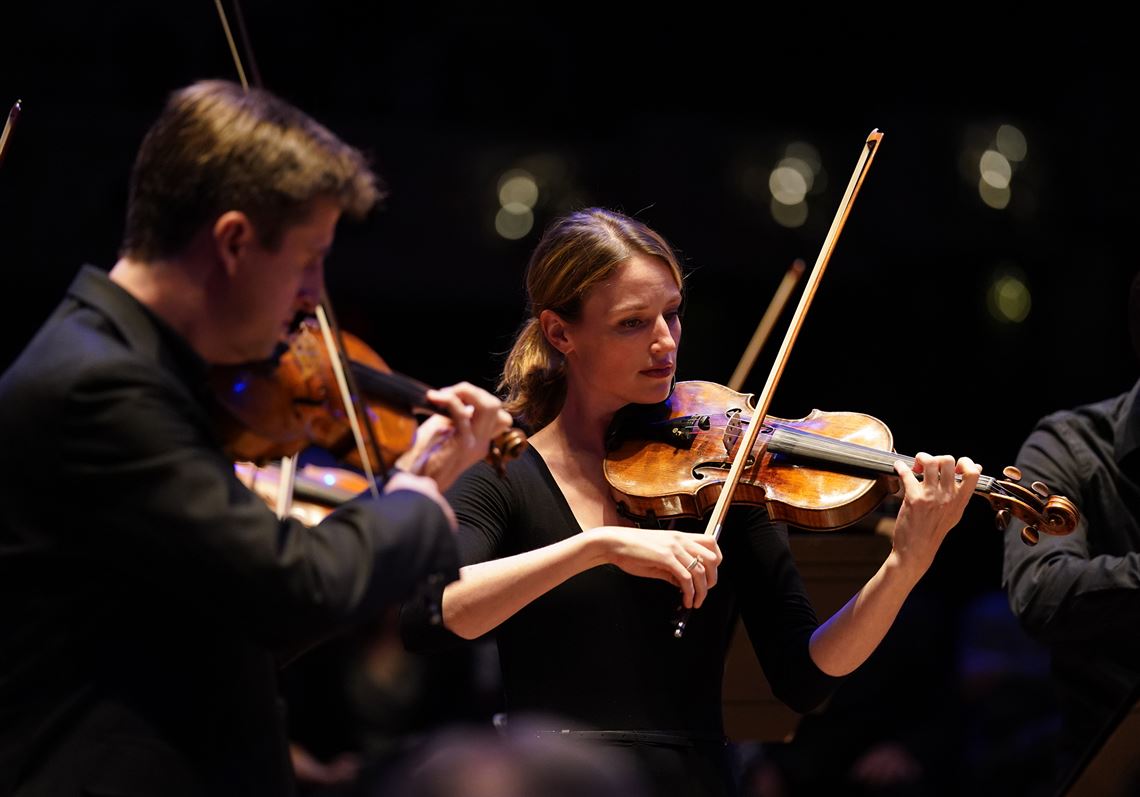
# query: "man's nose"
{"type": "Point", "coordinates": [311, 290]}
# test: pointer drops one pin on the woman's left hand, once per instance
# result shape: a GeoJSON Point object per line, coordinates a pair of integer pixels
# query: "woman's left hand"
{"type": "Point", "coordinates": [931, 507]}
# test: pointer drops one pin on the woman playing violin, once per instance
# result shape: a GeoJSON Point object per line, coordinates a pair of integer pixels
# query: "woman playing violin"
{"type": "Point", "coordinates": [579, 598]}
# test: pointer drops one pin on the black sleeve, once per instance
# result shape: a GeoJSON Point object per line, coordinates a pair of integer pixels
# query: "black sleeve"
{"type": "Point", "coordinates": [168, 509]}
{"type": "Point", "coordinates": [482, 503]}
{"type": "Point", "coordinates": [1059, 589]}
{"type": "Point", "coordinates": [776, 611]}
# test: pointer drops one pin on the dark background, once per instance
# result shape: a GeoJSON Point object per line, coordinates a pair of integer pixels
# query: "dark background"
{"type": "Point", "coordinates": [657, 114]}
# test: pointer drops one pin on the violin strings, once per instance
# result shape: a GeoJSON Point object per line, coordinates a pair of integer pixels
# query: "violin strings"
{"type": "Point", "coordinates": [791, 441]}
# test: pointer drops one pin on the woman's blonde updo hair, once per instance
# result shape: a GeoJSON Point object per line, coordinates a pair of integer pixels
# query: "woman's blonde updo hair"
{"type": "Point", "coordinates": [576, 253]}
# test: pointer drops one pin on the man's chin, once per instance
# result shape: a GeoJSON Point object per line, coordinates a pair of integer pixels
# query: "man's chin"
{"type": "Point", "coordinates": [250, 354]}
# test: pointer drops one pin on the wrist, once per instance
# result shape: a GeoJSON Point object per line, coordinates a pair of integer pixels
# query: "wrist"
{"type": "Point", "coordinates": [405, 463]}
{"type": "Point", "coordinates": [596, 546]}
{"type": "Point", "coordinates": [903, 569]}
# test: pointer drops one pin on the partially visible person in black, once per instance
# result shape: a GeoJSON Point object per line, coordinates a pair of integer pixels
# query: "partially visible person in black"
{"type": "Point", "coordinates": [146, 596]}
{"type": "Point", "coordinates": [1080, 594]}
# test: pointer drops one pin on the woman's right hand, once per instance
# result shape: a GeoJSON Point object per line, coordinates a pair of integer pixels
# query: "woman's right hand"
{"type": "Point", "coordinates": [487, 593]}
{"type": "Point", "coordinates": [688, 561]}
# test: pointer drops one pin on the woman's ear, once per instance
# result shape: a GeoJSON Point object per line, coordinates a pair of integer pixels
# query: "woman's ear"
{"type": "Point", "coordinates": [555, 330]}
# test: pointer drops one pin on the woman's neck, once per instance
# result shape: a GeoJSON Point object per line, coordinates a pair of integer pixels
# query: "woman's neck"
{"type": "Point", "coordinates": [577, 430]}
{"type": "Point", "coordinates": [573, 448]}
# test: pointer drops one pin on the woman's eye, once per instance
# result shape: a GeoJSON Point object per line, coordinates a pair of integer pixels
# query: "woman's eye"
{"type": "Point", "coordinates": [631, 323]}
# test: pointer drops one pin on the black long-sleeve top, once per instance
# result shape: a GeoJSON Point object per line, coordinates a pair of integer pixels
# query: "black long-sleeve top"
{"type": "Point", "coordinates": [1080, 593]}
{"type": "Point", "coordinates": [145, 593]}
{"type": "Point", "coordinates": [597, 652]}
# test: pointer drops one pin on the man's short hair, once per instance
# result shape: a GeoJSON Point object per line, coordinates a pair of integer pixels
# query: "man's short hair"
{"type": "Point", "coordinates": [217, 147]}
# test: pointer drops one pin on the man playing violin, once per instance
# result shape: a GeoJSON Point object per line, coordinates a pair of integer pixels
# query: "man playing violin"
{"type": "Point", "coordinates": [580, 600]}
{"type": "Point", "coordinates": [146, 596]}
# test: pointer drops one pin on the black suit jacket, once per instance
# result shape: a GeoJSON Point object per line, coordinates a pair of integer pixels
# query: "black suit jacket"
{"type": "Point", "coordinates": [145, 593]}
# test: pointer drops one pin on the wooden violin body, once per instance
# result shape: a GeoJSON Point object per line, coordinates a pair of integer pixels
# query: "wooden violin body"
{"type": "Point", "coordinates": [682, 475]}
{"type": "Point", "coordinates": [821, 472]}
{"type": "Point", "coordinates": [317, 490]}
{"type": "Point", "coordinates": [279, 407]}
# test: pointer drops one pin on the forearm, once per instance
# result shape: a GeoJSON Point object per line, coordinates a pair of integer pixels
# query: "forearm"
{"type": "Point", "coordinates": [1062, 597]}
{"type": "Point", "coordinates": [845, 641]}
{"type": "Point", "coordinates": [488, 593]}
{"type": "Point", "coordinates": [929, 510]}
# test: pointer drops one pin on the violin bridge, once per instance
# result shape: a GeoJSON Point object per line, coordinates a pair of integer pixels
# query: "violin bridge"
{"type": "Point", "coordinates": [732, 430]}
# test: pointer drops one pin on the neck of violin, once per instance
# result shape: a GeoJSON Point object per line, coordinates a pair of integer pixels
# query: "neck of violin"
{"type": "Point", "coordinates": [396, 390]}
{"type": "Point", "coordinates": [797, 443]}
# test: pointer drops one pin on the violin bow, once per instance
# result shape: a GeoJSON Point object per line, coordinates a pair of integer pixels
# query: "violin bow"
{"type": "Point", "coordinates": [330, 331]}
{"type": "Point", "coordinates": [233, 46]}
{"type": "Point", "coordinates": [716, 519]}
{"type": "Point", "coordinates": [9, 126]}
{"type": "Point", "coordinates": [767, 321]}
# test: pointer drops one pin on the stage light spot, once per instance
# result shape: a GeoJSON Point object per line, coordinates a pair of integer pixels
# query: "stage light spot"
{"type": "Point", "coordinates": [1008, 297]}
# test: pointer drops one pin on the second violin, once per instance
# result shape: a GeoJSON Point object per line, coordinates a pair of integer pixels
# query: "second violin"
{"type": "Point", "coordinates": [278, 407]}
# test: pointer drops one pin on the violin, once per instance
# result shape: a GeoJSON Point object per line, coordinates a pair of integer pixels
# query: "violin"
{"type": "Point", "coordinates": [821, 472]}
{"type": "Point", "coordinates": [276, 408]}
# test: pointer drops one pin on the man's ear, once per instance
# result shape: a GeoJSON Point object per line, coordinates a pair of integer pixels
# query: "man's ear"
{"type": "Point", "coordinates": [232, 233]}
{"type": "Point", "coordinates": [555, 330]}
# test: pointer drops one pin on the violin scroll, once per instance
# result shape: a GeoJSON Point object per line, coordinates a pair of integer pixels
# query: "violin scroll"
{"type": "Point", "coordinates": [1033, 505]}
{"type": "Point", "coordinates": [506, 447]}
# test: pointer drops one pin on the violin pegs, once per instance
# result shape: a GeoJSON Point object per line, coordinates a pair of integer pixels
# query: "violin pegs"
{"type": "Point", "coordinates": [1011, 473]}
{"type": "Point", "coordinates": [1002, 519]}
{"type": "Point", "coordinates": [1040, 489]}
{"type": "Point", "coordinates": [1030, 535]}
